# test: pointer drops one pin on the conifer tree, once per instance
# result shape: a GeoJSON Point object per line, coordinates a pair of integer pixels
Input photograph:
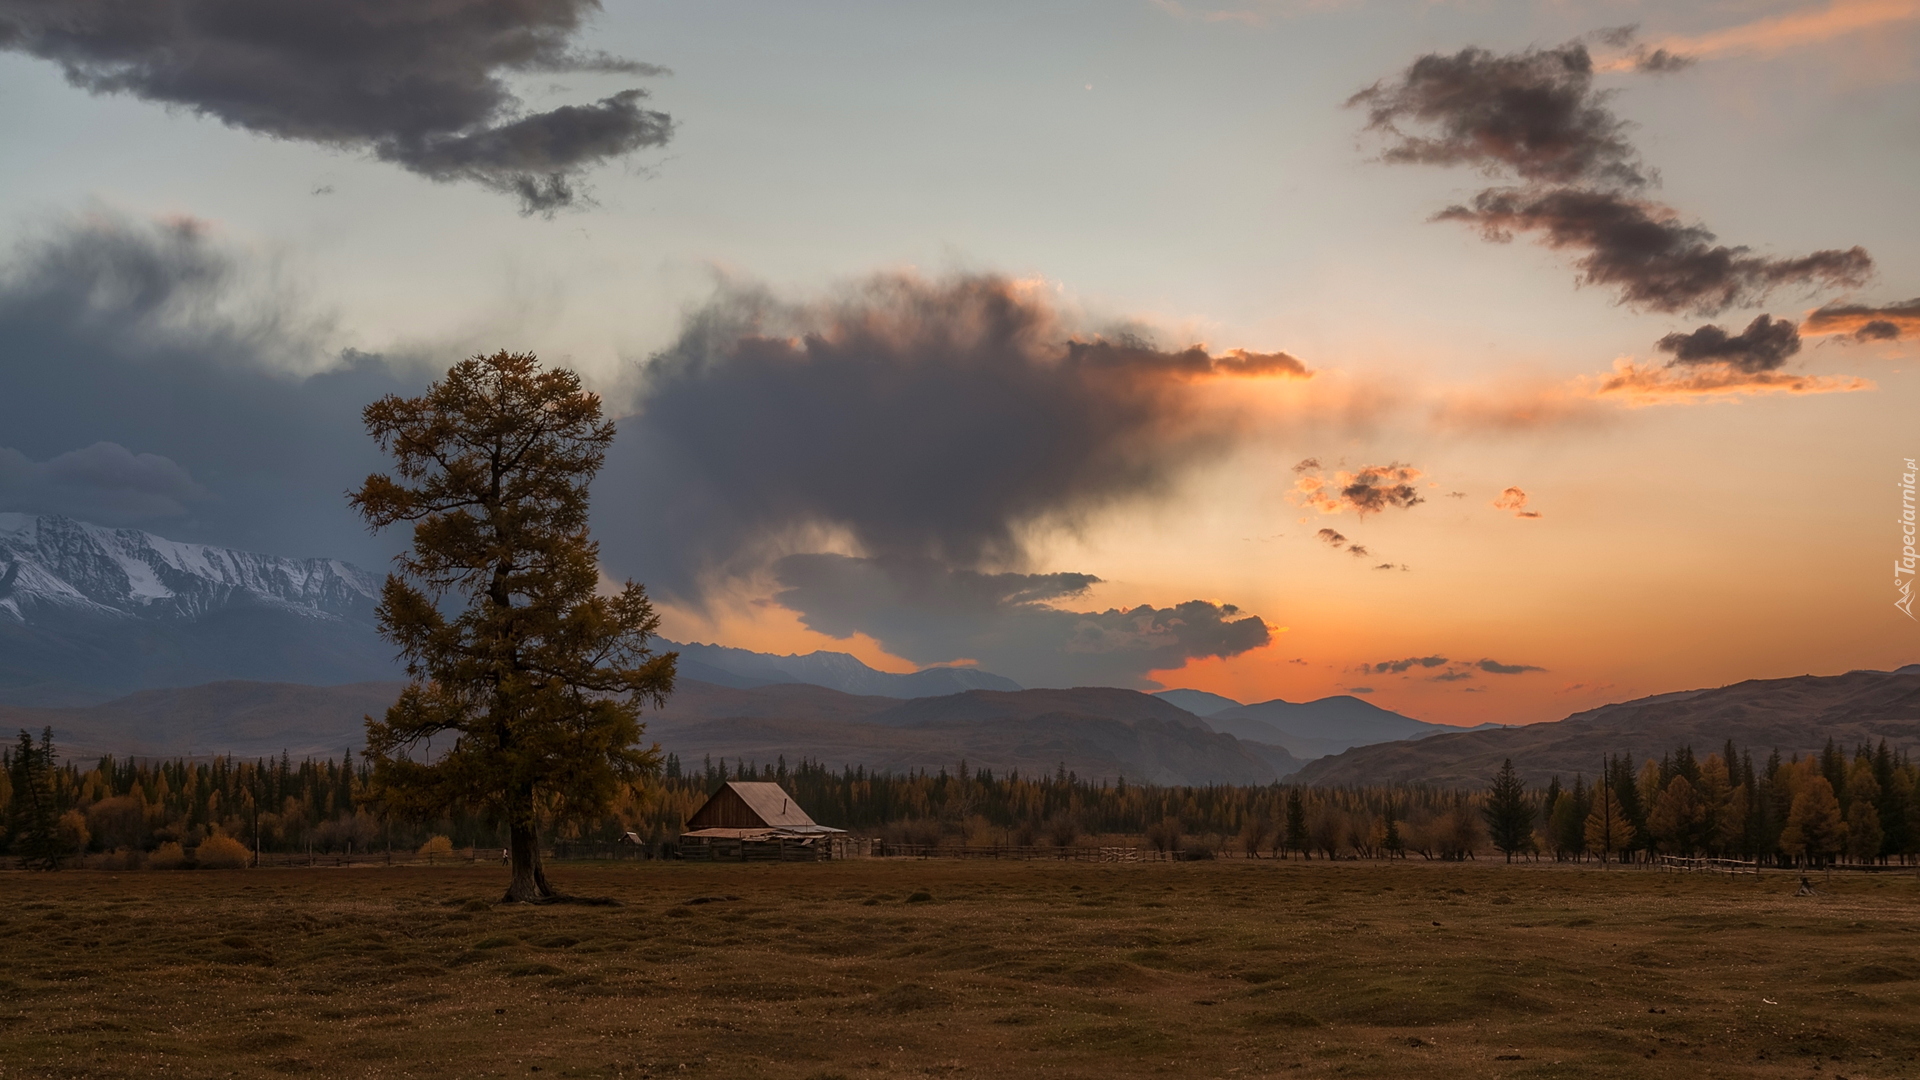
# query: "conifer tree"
{"type": "Point", "coordinates": [525, 701]}
{"type": "Point", "coordinates": [1609, 830]}
{"type": "Point", "coordinates": [1509, 818]}
{"type": "Point", "coordinates": [1297, 837]}
{"type": "Point", "coordinates": [34, 817]}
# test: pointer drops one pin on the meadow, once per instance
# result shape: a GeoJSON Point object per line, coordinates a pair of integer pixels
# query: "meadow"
{"type": "Point", "coordinates": [883, 968]}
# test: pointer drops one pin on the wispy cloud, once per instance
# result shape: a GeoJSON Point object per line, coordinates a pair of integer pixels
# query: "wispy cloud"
{"type": "Point", "coordinates": [1865, 322]}
{"type": "Point", "coordinates": [1793, 29]}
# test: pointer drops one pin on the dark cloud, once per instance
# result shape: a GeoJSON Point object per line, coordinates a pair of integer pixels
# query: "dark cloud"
{"type": "Point", "coordinates": [1865, 322]}
{"type": "Point", "coordinates": [1368, 490]}
{"type": "Point", "coordinates": [420, 83]}
{"type": "Point", "coordinates": [1359, 689]}
{"type": "Point", "coordinates": [1395, 667]}
{"type": "Point", "coordinates": [145, 382]}
{"type": "Point", "coordinates": [918, 424]}
{"type": "Point", "coordinates": [1534, 114]}
{"type": "Point", "coordinates": [1495, 667]}
{"type": "Point", "coordinates": [104, 483]}
{"type": "Point", "coordinates": [1456, 670]}
{"type": "Point", "coordinates": [1642, 250]}
{"type": "Point", "coordinates": [1660, 61]}
{"type": "Point", "coordinates": [929, 613]}
{"type": "Point", "coordinates": [1764, 345]}
{"type": "Point", "coordinates": [1337, 541]}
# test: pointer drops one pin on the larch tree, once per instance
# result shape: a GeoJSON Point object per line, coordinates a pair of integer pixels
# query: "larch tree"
{"type": "Point", "coordinates": [1609, 831]}
{"type": "Point", "coordinates": [526, 681]}
{"type": "Point", "coordinates": [1815, 830]}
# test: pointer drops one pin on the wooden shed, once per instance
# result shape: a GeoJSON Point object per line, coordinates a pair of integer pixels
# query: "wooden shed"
{"type": "Point", "coordinates": [750, 821]}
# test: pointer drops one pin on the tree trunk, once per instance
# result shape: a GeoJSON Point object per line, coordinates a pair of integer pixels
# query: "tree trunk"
{"type": "Point", "coordinates": [529, 884]}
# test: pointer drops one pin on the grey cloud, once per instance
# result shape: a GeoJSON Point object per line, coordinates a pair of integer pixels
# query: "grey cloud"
{"type": "Point", "coordinates": [924, 424]}
{"type": "Point", "coordinates": [1660, 61]}
{"type": "Point", "coordinates": [933, 420]}
{"type": "Point", "coordinates": [1867, 322]}
{"type": "Point", "coordinates": [1640, 249]}
{"type": "Point", "coordinates": [1495, 667]}
{"type": "Point", "coordinates": [1534, 114]}
{"type": "Point", "coordinates": [417, 82]}
{"type": "Point", "coordinates": [1395, 667]}
{"type": "Point", "coordinates": [1329, 536]}
{"type": "Point", "coordinates": [930, 613]}
{"type": "Point", "coordinates": [140, 335]}
{"type": "Point", "coordinates": [105, 482]}
{"type": "Point", "coordinates": [1450, 676]}
{"type": "Point", "coordinates": [1764, 345]}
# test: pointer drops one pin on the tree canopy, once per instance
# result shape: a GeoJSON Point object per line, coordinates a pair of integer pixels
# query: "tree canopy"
{"type": "Point", "coordinates": [527, 681]}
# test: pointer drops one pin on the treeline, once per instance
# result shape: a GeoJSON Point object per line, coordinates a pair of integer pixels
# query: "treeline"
{"type": "Point", "coordinates": [1863, 807]}
{"type": "Point", "coordinates": [1820, 809]}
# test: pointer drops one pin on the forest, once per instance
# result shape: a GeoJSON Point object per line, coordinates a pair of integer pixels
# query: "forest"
{"type": "Point", "coordinates": [1832, 808]}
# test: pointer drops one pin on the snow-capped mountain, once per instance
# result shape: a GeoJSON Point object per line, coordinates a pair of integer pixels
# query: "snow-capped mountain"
{"type": "Point", "coordinates": [88, 612]}
{"type": "Point", "coordinates": [56, 561]}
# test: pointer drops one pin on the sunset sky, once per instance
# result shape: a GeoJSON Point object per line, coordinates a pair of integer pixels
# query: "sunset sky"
{"type": "Point", "coordinates": [1460, 355]}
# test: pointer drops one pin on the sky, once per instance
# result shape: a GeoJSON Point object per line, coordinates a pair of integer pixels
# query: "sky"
{"type": "Point", "coordinates": [1490, 360]}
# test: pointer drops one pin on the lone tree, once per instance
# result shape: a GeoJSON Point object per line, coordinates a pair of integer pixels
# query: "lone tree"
{"type": "Point", "coordinates": [527, 683]}
{"type": "Point", "coordinates": [1509, 818]}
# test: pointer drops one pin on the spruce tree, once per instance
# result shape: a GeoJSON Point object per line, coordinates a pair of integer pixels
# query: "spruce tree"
{"type": "Point", "coordinates": [527, 682]}
{"type": "Point", "coordinates": [33, 819]}
{"type": "Point", "coordinates": [1509, 818]}
{"type": "Point", "coordinates": [1297, 838]}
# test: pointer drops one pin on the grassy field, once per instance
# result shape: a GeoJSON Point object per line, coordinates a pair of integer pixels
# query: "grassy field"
{"type": "Point", "coordinates": [944, 968]}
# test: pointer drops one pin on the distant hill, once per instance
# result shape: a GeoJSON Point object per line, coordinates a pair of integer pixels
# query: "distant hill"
{"type": "Point", "coordinates": [247, 719]}
{"type": "Point", "coordinates": [1309, 729]}
{"type": "Point", "coordinates": [980, 705]}
{"type": "Point", "coordinates": [1795, 716]}
{"type": "Point", "coordinates": [1198, 702]}
{"type": "Point", "coordinates": [1095, 732]}
{"type": "Point", "coordinates": [89, 613]}
{"type": "Point", "coordinates": [743, 669]}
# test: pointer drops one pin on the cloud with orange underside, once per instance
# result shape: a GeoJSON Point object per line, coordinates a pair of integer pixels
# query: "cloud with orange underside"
{"type": "Point", "coordinates": [1635, 385]}
{"type": "Point", "coordinates": [1866, 322]}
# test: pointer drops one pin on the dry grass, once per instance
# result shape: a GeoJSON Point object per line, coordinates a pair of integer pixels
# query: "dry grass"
{"type": "Point", "coordinates": [1008, 970]}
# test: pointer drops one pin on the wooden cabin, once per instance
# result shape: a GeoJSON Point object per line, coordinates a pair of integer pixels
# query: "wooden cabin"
{"type": "Point", "coordinates": [750, 821]}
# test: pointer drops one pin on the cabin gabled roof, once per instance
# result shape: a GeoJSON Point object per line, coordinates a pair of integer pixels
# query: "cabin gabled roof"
{"type": "Point", "coordinates": [765, 805]}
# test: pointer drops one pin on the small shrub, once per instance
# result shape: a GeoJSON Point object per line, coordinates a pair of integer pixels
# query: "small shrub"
{"type": "Point", "coordinates": [437, 847]}
{"type": "Point", "coordinates": [169, 856]}
{"type": "Point", "coordinates": [1196, 852]}
{"type": "Point", "coordinates": [221, 852]}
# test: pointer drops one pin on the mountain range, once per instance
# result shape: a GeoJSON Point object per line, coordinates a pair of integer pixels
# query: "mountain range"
{"type": "Point", "coordinates": [742, 669]}
{"type": "Point", "coordinates": [1308, 729]}
{"type": "Point", "coordinates": [1794, 716]}
{"type": "Point", "coordinates": [89, 613]}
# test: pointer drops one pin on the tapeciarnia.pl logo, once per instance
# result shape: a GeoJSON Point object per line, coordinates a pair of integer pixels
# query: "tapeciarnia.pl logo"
{"type": "Point", "coordinates": [1903, 566]}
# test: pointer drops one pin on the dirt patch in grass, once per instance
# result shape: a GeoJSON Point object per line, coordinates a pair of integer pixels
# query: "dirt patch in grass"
{"type": "Point", "coordinates": [1224, 968]}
